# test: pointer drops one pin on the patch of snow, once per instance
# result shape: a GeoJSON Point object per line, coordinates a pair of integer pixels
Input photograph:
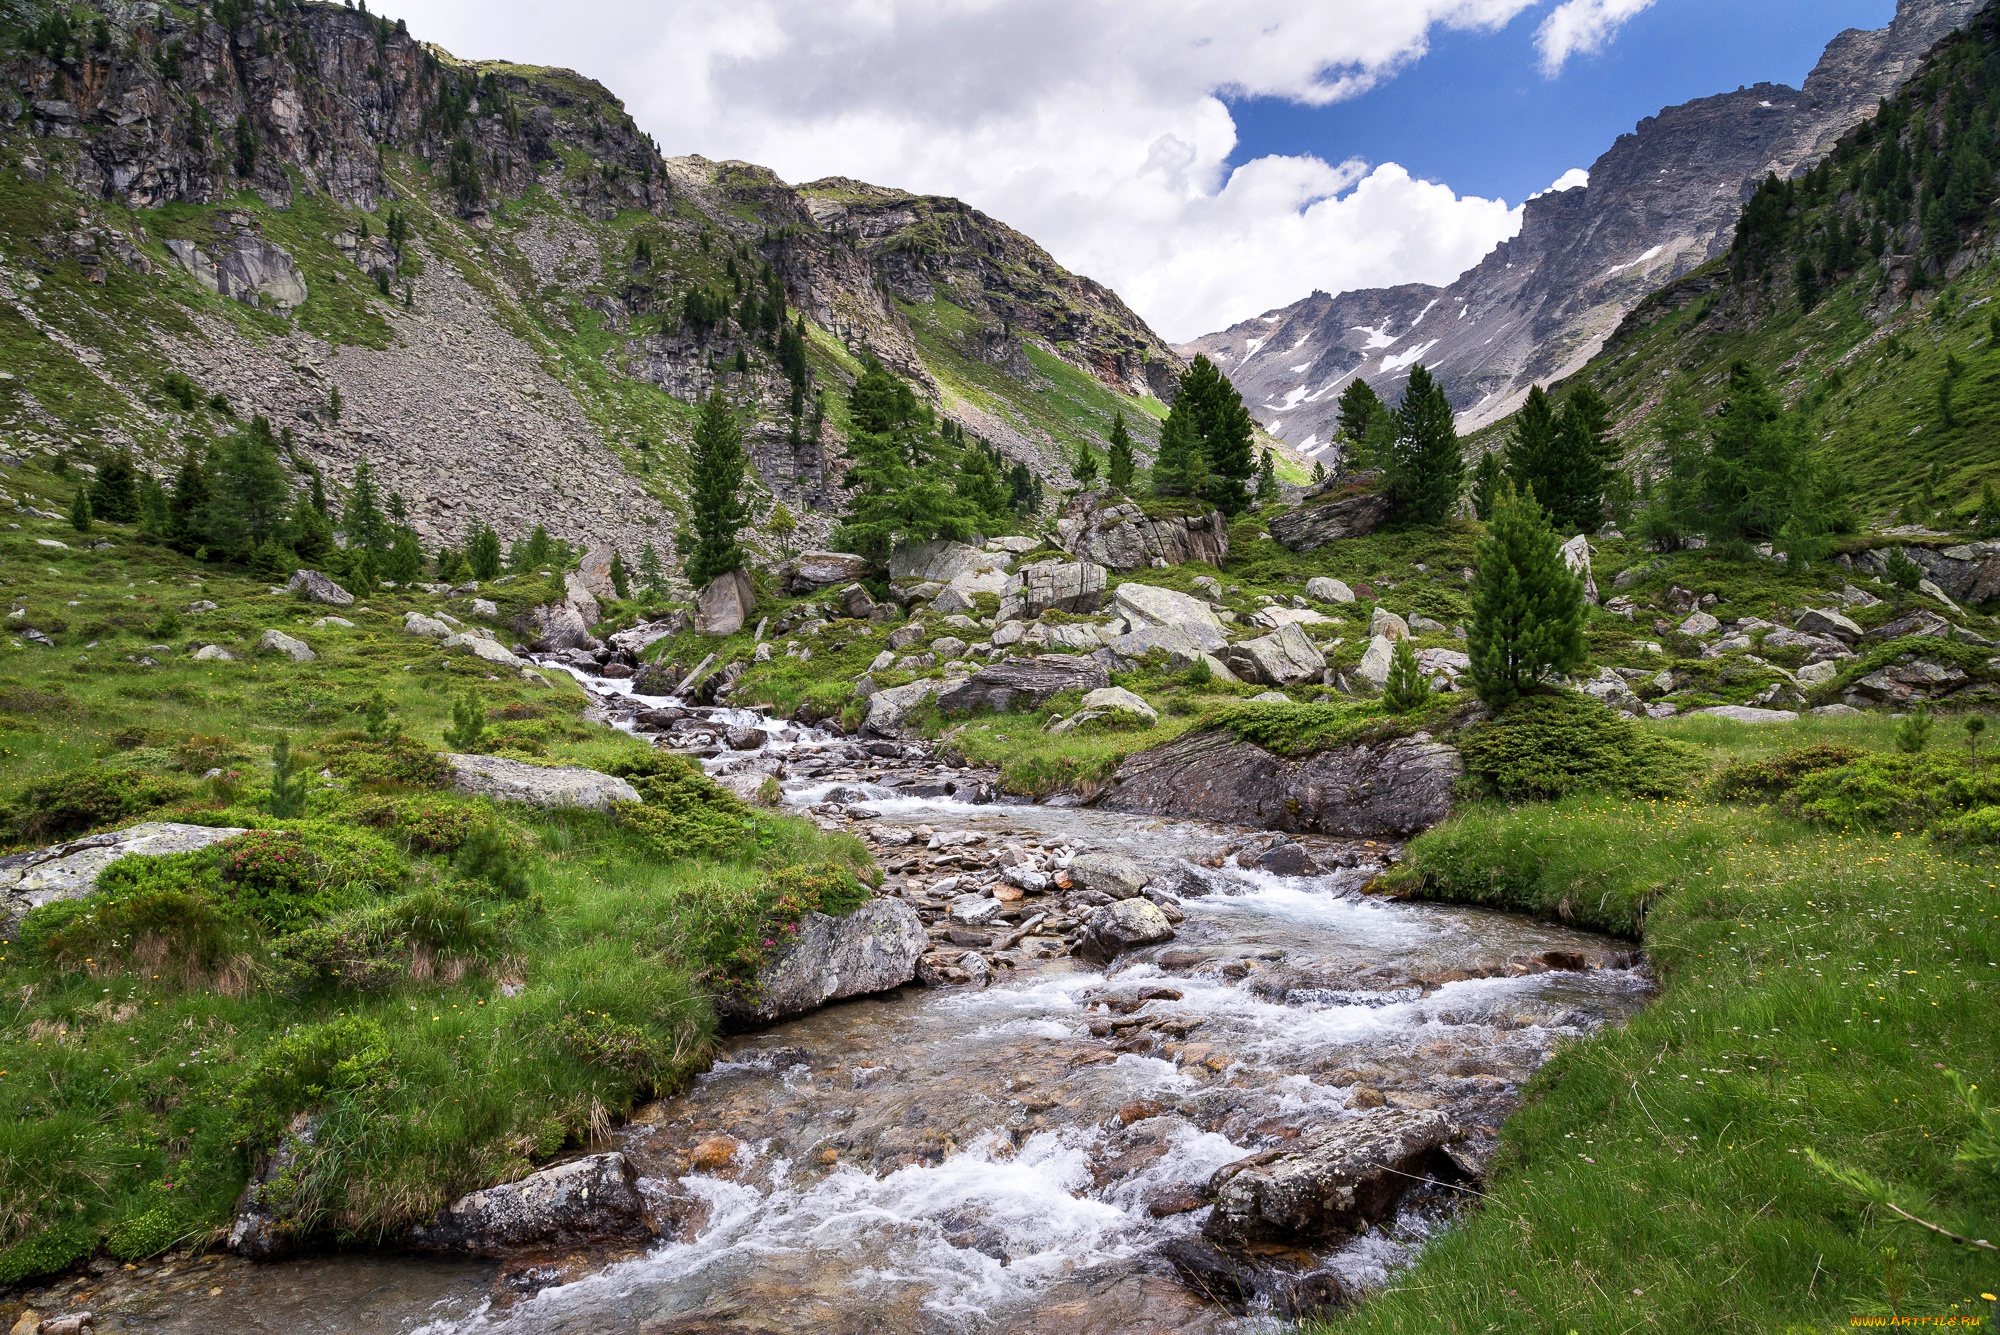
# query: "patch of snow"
{"type": "Point", "coordinates": [1274, 426]}
{"type": "Point", "coordinates": [1376, 337]}
{"type": "Point", "coordinates": [1302, 368]}
{"type": "Point", "coordinates": [1649, 255]}
{"type": "Point", "coordinates": [1763, 104]}
{"type": "Point", "coordinates": [1311, 442]}
{"type": "Point", "coordinates": [1425, 311]}
{"type": "Point", "coordinates": [1294, 398]}
{"type": "Point", "coordinates": [1403, 361]}
{"type": "Point", "coordinates": [1304, 339]}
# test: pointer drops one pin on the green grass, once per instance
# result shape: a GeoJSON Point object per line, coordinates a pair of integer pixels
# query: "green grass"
{"type": "Point", "coordinates": [1816, 988]}
{"type": "Point", "coordinates": [447, 1018]}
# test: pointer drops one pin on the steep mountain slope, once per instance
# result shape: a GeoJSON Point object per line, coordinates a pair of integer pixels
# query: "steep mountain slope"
{"type": "Point", "coordinates": [1660, 202]}
{"type": "Point", "coordinates": [1865, 292]}
{"type": "Point", "coordinates": [490, 265]}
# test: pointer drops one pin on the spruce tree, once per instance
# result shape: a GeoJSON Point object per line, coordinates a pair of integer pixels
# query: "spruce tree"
{"type": "Point", "coordinates": [1586, 454]}
{"type": "Point", "coordinates": [901, 486]}
{"type": "Point", "coordinates": [1121, 466]}
{"type": "Point", "coordinates": [1358, 405]}
{"type": "Point", "coordinates": [1527, 606]}
{"type": "Point", "coordinates": [1227, 435]}
{"type": "Point", "coordinates": [1532, 454]}
{"type": "Point", "coordinates": [404, 562]}
{"type": "Point", "coordinates": [652, 575]}
{"type": "Point", "coordinates": [1180, 468]}
{"type": "Point", "coordinates": [482, 551]}
{"type": "Point", "coordinates": [1406, 689]}
{"type": "Point", "coordinates": [361, 520]}
{"type": "Point", "coordinates": [1486, 481]}
{"type": "Point", "coordinates": [79, 510]}
{"type": "Point", "coordinates": [1428, 469]}
{"type": "Point", "coordinates": [1084, 467]}
{"type": "Point", "coordinates": [187, 507]}
{"type": "Point", "coordinates": [621, 583]}
{"type": "Point", "coordinates": [248, 492]}
{"type": "Point", "coordinates": [1267, 479]}
{"type": "Point", "coordinates": [980, 485]}
{"type": "Point", "coordinates": [716, 512]}
{"type": "Point", "coordinates": [114, 494]}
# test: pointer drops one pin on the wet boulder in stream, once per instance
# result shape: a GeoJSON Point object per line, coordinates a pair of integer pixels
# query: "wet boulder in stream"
{"type": "Point", "coordinates": [1335, 1180]}
{"type": "Point", "coordinates": [1127, 924]}
{"type": "Point", "coordinates": [873, 949]}
{"type": "Point", "coordinates": [590, 1200]}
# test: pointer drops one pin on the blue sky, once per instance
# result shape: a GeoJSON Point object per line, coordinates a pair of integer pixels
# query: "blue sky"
{"type": "Point", "coordinates": [1477, 114]}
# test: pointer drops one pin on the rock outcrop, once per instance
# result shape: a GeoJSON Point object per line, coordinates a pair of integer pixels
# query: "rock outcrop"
{"type": "Point", "coordinates": [873, 949]}
{"type": "Point", "coordinates": [725, 604]}
{"type": "Point", "coordinates": [588, 1201]}
{"type": "Point", "coordinates": [70, 870]}
{"type": "Point", "coordinates": [1055, 586]}
{"type": "Point", "coordinates": [1023, 683]}
{"type": "Point", "coordinates": [317, 588]}
{"type": "Point", "coordinates": [1339, 1179]}
{"type": "Point", "coordinates": [1120, 535]}
{"type": "Point", "coordinates": [537, 785]}
{"type": "Point", "coordinates": [1310, 527]}
{"type": "Point", "coordinates": [1285, 657]}
{"type": "Point", "coordinates": [1387, 790]}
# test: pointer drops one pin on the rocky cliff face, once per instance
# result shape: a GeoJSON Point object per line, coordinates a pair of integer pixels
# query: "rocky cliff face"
{"type": "Point", "coordinates": [1663, 200]}
{"type": "Point", "coordinates": [280, 200]}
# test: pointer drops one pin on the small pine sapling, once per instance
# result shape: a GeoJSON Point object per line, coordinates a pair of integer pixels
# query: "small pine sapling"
{"type": "Point", "coordinates": [1904, 574]}
{"type": "Point", "coordinates": [1975, 724]}
{"type": "Point", "coordinates": [468, 725]}
{"type": "Point", "coordinates": [378, 722]}
{"type": "Point", "coordinates": [783, 525]}
{"type": "Point", "coordinates": [1084, 470]}
{"type": "Point", "coordinates": [1913, 734]}
{"type": "Point", "coordinates": [79, 510]}
{"type": "Point", "coordinates": [288, 782]}
{"type": "Point", "coordinates": [621, 582]}
{"type": "Point", "coordinates": [1267, 479]}
{"type": "Point", "coordinates": [1406, 689]}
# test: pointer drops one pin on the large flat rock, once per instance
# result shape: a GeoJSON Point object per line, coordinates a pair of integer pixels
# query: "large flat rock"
{"type": "Point", "coordinates": [873, 949]}
{"type": "Point", "coordinates": [585, 1201]}
{"type": "Point", "coordinates": [1336, 1180]}
{"type": "Point", "coordinates": [1313, 526]}
{"type": "Point", "coordinates": [538, 785]}
{"type": "Point", "coordinates": [1389, 791]}
{"type": "Point", "coordinates": [1023, 683]}
{"type": "Point", "coordinates": [70, 870]}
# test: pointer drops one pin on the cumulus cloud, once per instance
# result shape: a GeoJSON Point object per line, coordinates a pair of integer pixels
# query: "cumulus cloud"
{"type": "Point", "coordinates": [1581, 27]}
{"type": "Point", "coordinates": [1574, 178]}
{"type": "Point", "coordinates": [1098, 127]}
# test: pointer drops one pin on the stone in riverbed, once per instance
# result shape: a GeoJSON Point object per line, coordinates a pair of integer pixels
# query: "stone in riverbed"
{"type": "Point", "coordinates": [1128, 924]}
{"type": "Point", "coordinates": [590, 1200]}
{"type": "Point", "coordinates": [1111, 874]}
{"type": "Point", "coordinates": [725, 604]}
{"type": "Point", "coordinates": [69, 870]}
{"type": "Point", "coordinates": [1335, 1180]}
{"type": "Point", "coordinates": [873, 949]}
{"type": "Point", "coordinates": [537, 785]}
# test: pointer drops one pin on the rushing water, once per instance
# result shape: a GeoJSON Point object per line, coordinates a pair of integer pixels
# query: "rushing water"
{"type": "Point", "coordinates": [1013, 1158]}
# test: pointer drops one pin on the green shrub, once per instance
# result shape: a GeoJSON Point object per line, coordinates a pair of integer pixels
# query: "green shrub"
{"type": "Point", "coordinates": [149, 1232]}
{"type": "Point", "coordinates": [1979, 826]}
{"type": "Point", "coordinates": [49, 1252]}
{"type": "Point", "coordinates": [284, 879]}
{"type": "Point", "coordinates": [1548, 746]}
{"type": "Point", "coordinates": [1768, 780]}
{"type": "Point", "coordinates": [401, 760]}
{"type": "Point", "coordinates": [1897, 791]}
{"type": "Point", "coordinates": [424, 824]}
{"type": "Point", "coordinates": [298, 1072]}
{"type": "Point", "coordinates": [757, 928]}
{"type": "Point", "coordinates": [161, 906]}
{"type": "Point", "coordinates": [1301, 730]}
{"type": "Point", "coordinates": [682, 812]}
{"type": "Point", "coordinates": [67, 805]}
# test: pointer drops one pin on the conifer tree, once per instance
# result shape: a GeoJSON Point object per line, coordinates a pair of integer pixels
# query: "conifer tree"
{"type": "Point", "coordinates": [901, 488]}
{"type": "Point", "coordinates": [288, 782]}
{"type": "Point", "coordinates": [361, 521]}
{"type": "Point", "coordinates": [1486, 480]}
{"type": "Point", "coordinates": [114, 493]}
{"type": "Point", "coordinates": [248, 491]}
{"type": "Point", "coordinates": [1267, 479]}
{"type": "Point", "coordinates": [1120, 467]}
{"type": "Point", "coordinates": [79, 510]}
{"type": "Point", "coordinates": [1180, 469]}
{"type": "Point", "coordinates": [1586, 455]}
{"type": "Point", "coordinates": [716, 512]}
{"type": "Point", "coordinates": [1406, 689]}
{"type": "Point", "coordinates": [1428, 469]}
{"type": "Point", "coordinates": [482, 551]}
{"type": "Point", "coordinates": [1084, 467]}
{"type": "Point", "coordinates": [404, 562]}
{"type": "Point", "coordinates": [311, 532]}
{"type": "Point", "coordinates": [1358, 406]}
{"type": "Point", "coordinates": [1527, 606]}
{"type": "Point", "coordinates": [981, 486]}
{"type": "Point", "coordinates": [1532, 453]}
{"type": "Point", "coordinates": [652, 575]}
{"type": "Point", "coordinates": [621, 582]}
{"type": "Point", "coordinates": [187, 508]}
{"type": "Point", "coordinates": [1227, 435]}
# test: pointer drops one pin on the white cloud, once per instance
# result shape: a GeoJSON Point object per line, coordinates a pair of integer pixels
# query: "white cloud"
{"type": "Point", "coordinates": [1095, 126]}
{"type": "Point", "coordinates": [1582, 27]}
{"type": "Point", "coordinates": [1574, 178]}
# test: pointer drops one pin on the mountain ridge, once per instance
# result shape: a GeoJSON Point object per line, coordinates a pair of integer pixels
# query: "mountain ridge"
{"type": "Point", "coordinates": [1541, 304]}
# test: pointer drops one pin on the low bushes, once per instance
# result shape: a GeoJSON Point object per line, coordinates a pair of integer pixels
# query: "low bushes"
{"type": "Point", "coordinates": [683, 813]}
{"type": "Point", "coordinates": [67, 805]}
{"type": "Point", "coordinates": [396, 760]}
{"type": "Point", "coordinates": [1769, 780]}
{"type": "Point", "coordinates": [1550, 746]}
{"type": "Point", "coordinates": [1894, 791]}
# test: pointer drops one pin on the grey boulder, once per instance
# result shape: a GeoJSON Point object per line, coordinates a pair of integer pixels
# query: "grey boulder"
{"type": "Point", "coordinates": [942, 561]}
{"type": "Point", "coordinates": [1324, 589]}
{"type": "Point", "coordinates": [1023, 683]}
{"type": "Point", "coordinates": [590, 1200]}
{"type": "Point", "coordinates": [317, 588]}
{"type": "Point", "coordinates": [1313, 526]}
{"type": "Point", "coordinates": [1824, 622]}
{"type": "Point", "coordinates": [552, 627]}
{"type": "Point", "coordinates": [429, 628]}
{"type": "Point", "coordinates": [1144, 605]}
{"type": "Point", "coordinates": [873, 949]}
{"type": "Point", "coordinates": [1129, 924]}
{"type": "Point", "coordinates": [1055, 586]}
{"type": "Point", "coordinates": [1111, 874]}
{"type": "Point", "coordinates": [889, 709]}
{"type": "Point", "coordinates": [723, 606]}
{"type": "Point", "coordinates": [277, 642]}
{"type": "Point", "coordinates": [821, 570]}
{"type": "Point", "coordinates": [1285, 657]}
{"type": "Point", "coordinates": [537, 785]}
{"type": "Point", "coordinates": [70, 870]}
{"type": "Point", "coordinates": [1123, 537]}
{"type": "Point", "coordinates": [1333, 1181]}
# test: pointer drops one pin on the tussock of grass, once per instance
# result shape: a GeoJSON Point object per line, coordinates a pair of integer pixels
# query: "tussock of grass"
{"type": "Point", "coordinates": [1552, 745]}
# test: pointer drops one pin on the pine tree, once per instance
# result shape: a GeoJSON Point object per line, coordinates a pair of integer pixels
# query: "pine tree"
{"type": "Point", "coordinates": [187, 507]}
{"type": "Point", "coordinates": [1121, 466]}
{"type": "Point", "coordinates": [333, 403]}
{"type": "Point", "coordinates": [621, 583]}
{"type": "Point", "coordinates": [79, 510]}
{"type": "Point", "coordinates": [1586, 455]}
{"type": "Point", "coordinates": [468, 725]}
{"type": "Point", "coordinates": [652, 575]}
{"type": "Point", "coordinates": [1084, 467]}
{"type": "Point", "coordinates": [1358, 406]}
{"type": "Point", "coordinates": [1527, 606]}
{"type": "Point", "coordinates": [900, 486]}
{"type": "Point", "coordinates": [1407, 689]}
{"type": "Point", "coordinates": [288, 782]}
{"type": "Point", "coordinates": [1267, 479]}
{"type": "Point", "coordinates": [248, 493]}
{"type": "Point", "coordinates": [114, 494]}
{"type": "Point", "coordinates": [482, 551]}
{"type": "Point", "coordinates": [1180, 469]}
{"type": "Point", "coordinates": [1486, 481]}
{"type": "Point", "coordinates": [982, 487]}
{"type": "Point", "coordinates": [1428, 469]}
{"type": "Point", "coordinates": [783, 524]}
{"type": "Point", "coordinates": [404, 562]}
{"type": "Point", "coordinates": [361, 521]}
{"type": "Point", "coordinates": [1227, 434]}
{"type": "Point", "coordinates": [716, 512]}
{"type": "Point", "coordinates": [1532, 460]}
{"type": "Point", "coordinates": [310, 531]}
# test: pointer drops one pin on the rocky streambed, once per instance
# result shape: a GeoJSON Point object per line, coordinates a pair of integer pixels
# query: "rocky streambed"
{"type": "Point", "coordinates": [1154, 1073]}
